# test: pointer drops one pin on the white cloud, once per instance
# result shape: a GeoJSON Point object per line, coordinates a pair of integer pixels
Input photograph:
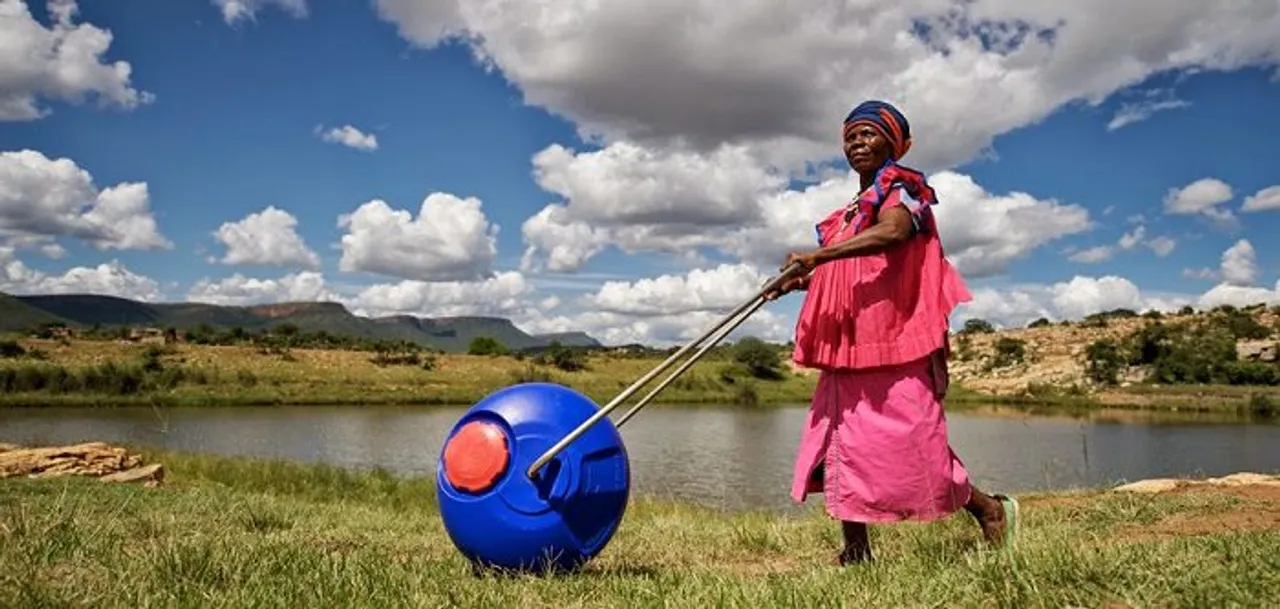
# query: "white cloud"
{"type": "Point", "coordinates": [109, 278]}
{"type": "Point", "coordinates": [1015, 306]}
{"type": "Point", "coordinates": [645, 201]}
{"type": "Point", "coordinates": [1200, 273]}
{"type": "Point", "coordinates": [268, 238]}
{"type": "Point", "coordinates": [655, 330]}
{"type": "Point", "coordinates": [1240, 264]}
{"type": "Point", "coordinates": [62, 62]}
{"type": "Point", "coordinates": [449, 240]}
{"type": "Point", "coordinates": [566, 244]}
{"type": "Point", "coordinates": [983, 232]}
{"type": "Point", "coordinates": [239, 290]}
{"type": "Point", "coordinates": [717, 289]}
{"type": "Point", "coordinates": [1162, 246]}
{"type": "Point", "coordinates": [1267, 199]}
{"type": "Point", "coordinates": [625, 184]}
{"type": "Point", "coordinates": [44, 198]}
{"type": "Point", "coordinates": [1203, 197]}
{"type": "Point", "coordinates": [350, 137]}
{"type": "Point", "coordinates": [506, 293]}
{"type": "Point", "coordinates": [1153, 101]}
{"type": "Point", "coordinates": [781, 79]}
{"type": "Point", "coordinates": [235, 11]}
{"type": "Point", "coordinates": [1240, 296]}
{"type": "Point", "coordinates": [1093, 255]}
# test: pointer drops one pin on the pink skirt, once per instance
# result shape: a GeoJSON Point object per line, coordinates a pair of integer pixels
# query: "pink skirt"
{"type": "Point", "coordinates": [875, 445]}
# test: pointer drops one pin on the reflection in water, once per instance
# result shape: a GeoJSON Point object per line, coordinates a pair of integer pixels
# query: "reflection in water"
{"type": "Point", "coordinates": [722, 457]}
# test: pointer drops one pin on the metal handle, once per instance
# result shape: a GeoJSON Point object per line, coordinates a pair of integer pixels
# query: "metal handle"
{"type": "Point", "coordinates": [752, 304]}
{"type": "Point", "coordinates": [689, 362]}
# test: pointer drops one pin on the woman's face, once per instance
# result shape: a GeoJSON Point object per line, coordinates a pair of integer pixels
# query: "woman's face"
{"type": "Point", "coordinates": [865, 148]}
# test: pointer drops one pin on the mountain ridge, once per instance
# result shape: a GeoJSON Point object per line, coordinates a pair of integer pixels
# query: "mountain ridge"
{"type": "Point", "coordinates": [452, 333]}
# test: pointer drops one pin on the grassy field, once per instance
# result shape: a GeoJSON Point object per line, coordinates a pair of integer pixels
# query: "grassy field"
{"type": "Point", "coordinates": [193, 375]}
{"type": "Point", "coordinates": [217, 375]}
{"type": "Point", "coordinates": [223, 532]}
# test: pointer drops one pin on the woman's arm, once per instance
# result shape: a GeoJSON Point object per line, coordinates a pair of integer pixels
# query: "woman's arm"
{"type": "Point", "coordinates": [894, 227]}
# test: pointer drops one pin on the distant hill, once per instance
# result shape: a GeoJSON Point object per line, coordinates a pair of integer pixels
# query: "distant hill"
{"type": "Point", "coordinates": [453, 334]}
{"type": "Point", "coordinates": [16, 314]}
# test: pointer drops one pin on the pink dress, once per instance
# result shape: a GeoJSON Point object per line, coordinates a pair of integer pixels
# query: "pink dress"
{"type": "Point", "coordinates": [876, 328]}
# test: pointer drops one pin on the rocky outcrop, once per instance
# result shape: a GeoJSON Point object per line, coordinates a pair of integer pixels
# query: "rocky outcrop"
{"type": "Point", "coordinates": [1161, 485]}
{"type": "Point", "coordinates": [93, 459]}
{"type": "Point", "coordinates": [1257, 350]}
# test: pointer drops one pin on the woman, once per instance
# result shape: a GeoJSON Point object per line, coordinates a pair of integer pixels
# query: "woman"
{"type": "Point", "coordinates": [874, 321]}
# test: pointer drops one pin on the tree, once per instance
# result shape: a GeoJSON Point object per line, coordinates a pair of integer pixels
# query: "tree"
{"type": "Point", "coordinates": [760, 359]}
{"type": "Point", "coordinates": [486, 345]}
{"type": "Point", "coordinates": [978, 326]}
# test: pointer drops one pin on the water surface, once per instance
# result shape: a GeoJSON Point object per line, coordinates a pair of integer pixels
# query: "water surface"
{"type": "Point", "coordinates": [718, 456]}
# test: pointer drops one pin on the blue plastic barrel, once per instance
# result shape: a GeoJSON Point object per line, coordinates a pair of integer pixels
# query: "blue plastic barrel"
{"type": "Point", "coordinates": [496, 515]}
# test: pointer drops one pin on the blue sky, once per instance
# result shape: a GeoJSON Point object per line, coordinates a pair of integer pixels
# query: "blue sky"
{"type": "Point", "coordinates": [240, 105]}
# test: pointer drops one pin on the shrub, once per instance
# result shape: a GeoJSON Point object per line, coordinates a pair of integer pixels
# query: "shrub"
{"type": "Point", "coordinates": [563, 358]}
{"type": "Point", "coordinates": [1039, 323]}
{"type": "Point", "coordinates": [1241, 324]}
{"type": "Point", "coordinates": [977, 326]}
{"type": "Point", "coordinates": [11, 348]}
{"type": "Point", "coordinates": [760, 360]}
{"type": "Point", "coordinates": [1008, 351]}
{"type": "Point", "coordinates": [485, 345]}
{"type": "Point", "coordinates": [1104, 359]}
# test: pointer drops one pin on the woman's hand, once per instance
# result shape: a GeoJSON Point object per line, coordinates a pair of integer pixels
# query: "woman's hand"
{"type": "Point", "coordinates": [799, 279]}
{"type": "Point", "coordinates": [806, 260]}
{"type": "Point", "coordinates": [791, 284]}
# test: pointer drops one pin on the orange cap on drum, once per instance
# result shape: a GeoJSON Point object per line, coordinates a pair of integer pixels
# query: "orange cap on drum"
{"type": "Point", "coordinates": [476, 457]}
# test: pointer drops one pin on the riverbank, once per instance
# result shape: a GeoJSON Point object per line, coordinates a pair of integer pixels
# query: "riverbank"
{"type": "Point", "coordinates": [116, 373]}
{"type": "Point", "coordinates": [221, 531]}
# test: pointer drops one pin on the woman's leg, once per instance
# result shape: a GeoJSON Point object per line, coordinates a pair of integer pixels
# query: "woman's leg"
{"type": "Point", "coordinates": [989, 513]}
{"type": "Point", "coordinates": [857, 545]}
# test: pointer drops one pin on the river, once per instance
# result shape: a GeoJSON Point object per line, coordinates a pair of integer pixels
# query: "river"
{"type": "Point", "coordinates": [718, 456]}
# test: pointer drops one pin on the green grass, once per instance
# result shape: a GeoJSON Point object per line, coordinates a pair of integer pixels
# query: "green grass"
{"type": "Point", "coordinates": [235, 532]}
{"type": "Point", "coordinates": [109, 373]}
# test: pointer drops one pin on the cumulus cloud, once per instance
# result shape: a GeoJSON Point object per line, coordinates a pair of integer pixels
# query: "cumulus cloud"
{"type": "Point", "coordinates": [1239, 296]}
{"type": "Point", "coordinates": [235, 11]}
{"type": "Point", "coordinates": [505, 293]}
{"type": "Point", "coordinates": [1240, 264]}
{"type": "Point", "coordinates": [780, 79]}
{"type": "Point", "coordinates": [109, 278]}
{"type": "Point", "coordinates": [349, 136]}
{"type": "Point", "coordinates": [984, 232]}
{"type": "Point", "coordinates": [1016, 305]}
{"type": "Point", "coordinates": [62, 62]}
{"type": "Point", "coordinates": [43, 198]}
{"type": "Point", "coordinates": [239, 290]}
{"type": "Point", "coordinates": [717, 289]}
{"type": "Point", "coordinates": [449, 240]}
{"type": "Point", "coordinates": [678, 202]}
{"type": "Point", "coordinates": [268, 238]}
{"type": "Point", "coordinates": [1203, 197]}
{"type": "Point", "coordinates": [1267, 199]}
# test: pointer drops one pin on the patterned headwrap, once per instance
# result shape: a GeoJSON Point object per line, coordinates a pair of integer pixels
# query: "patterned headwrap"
{"type": "Point", "coordinates": [887, 120]}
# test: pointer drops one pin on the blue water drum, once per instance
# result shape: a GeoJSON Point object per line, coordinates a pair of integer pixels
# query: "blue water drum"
{"type": "Point", "coordinates": [498, 516]}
